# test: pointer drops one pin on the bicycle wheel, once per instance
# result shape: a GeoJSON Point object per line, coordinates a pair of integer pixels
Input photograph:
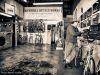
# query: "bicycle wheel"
{"type": "Point", "coordinates": [90, 69]}
{"type": "Point", "coordinates": [98, 68]}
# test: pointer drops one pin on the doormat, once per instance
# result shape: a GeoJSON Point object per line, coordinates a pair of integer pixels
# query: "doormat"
{"type": "Point", "coordinates": [29, 67]}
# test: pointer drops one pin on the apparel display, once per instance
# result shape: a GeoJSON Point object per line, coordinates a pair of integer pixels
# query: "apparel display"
{"type": "Point", "coordinates": [6, 35]}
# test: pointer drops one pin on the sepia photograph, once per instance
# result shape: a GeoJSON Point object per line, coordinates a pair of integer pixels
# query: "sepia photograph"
{"type": "Point", "coordinates": [49, 37]}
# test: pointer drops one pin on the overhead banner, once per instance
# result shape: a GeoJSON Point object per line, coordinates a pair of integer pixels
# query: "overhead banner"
{"type": "Point", "coordinates": [9, 9]}
{"type": "Point", "coordinates": [49, 13]}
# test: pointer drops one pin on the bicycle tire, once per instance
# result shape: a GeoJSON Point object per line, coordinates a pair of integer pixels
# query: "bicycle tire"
{"type": "Point", "coordinates": [98, 68]}
{"type": "Point", "coordinates": [90, 68]}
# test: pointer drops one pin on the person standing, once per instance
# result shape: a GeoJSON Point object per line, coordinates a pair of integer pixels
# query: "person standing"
{"type": "Point", "coordinates": [70, 43]}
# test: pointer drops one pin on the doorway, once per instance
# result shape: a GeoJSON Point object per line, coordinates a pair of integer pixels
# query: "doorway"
{"type": "Point", "coordinates": [53, 30]}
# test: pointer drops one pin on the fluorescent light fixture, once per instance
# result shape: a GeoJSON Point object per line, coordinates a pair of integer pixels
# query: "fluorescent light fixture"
{"type": "Point", "coordinates": [51, 3]}
{"type": "Point", "coordinates": [96, 2]}
{"type": "Point", "coordinates": [4, 14]}
{"type": "Point", "coordinates": [25, 0]}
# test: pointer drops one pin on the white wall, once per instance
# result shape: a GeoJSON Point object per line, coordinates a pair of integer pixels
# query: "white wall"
{"type": "Point", "coordinates": [85, 4]}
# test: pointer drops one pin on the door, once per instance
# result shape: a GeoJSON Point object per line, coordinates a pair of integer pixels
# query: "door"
{"type": "Point", "coordinates": [53, 34]}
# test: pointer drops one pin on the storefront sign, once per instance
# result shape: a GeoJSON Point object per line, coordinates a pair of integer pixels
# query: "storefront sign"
{"type": "Point", "coordinates": [9, 9]}
{"type": "Point", "coordinates": [51, 13]}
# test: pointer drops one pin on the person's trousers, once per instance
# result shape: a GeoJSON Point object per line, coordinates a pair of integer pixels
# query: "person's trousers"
{"type": "Point", "coordinates": [70, 52]}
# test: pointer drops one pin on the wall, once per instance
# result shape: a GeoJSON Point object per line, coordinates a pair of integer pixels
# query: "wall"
{"type": "Point", "coordinates": [85, 4]}
{"type": "Point", "coordinates": [50, 15]}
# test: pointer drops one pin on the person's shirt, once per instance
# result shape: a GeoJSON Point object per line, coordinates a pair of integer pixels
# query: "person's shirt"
{"type": "Point", "coordinates": [72, 34]}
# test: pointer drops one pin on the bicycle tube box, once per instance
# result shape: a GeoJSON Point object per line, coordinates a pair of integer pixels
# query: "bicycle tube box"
{"type": "Point", "coordinates": [94, 32]}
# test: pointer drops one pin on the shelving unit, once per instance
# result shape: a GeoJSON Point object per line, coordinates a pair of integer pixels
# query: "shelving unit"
{"type": "Point", "coordinates": [91, 16]}
{"type": "Point", "coordinates": [6, 33]}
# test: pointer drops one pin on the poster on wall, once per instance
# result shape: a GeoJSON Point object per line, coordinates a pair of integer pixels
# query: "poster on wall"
{"type": "Point", "coordinates": [9, 9]}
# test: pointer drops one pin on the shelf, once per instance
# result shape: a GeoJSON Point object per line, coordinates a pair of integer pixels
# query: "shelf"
{"type": "Point", "coordinates": [92, 15]}
{"type": "Point", "coordinates": [96, 7]}
{"type": "Point", "coordinates": [85, 28]}
{"type": "Point", "coordinates": [92, 18]}
{"type": "Point", "coordinates": [6, 32]}
{"type": "Point", "coordinates": [96, 13]}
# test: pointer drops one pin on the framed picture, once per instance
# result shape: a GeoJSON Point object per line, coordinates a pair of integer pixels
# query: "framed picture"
{"type": "Point", "coordinates": [82, 17]}
{"type": "Point", "coordinates": [85, 15]}
{"type": "Point", "coordinates": [83, 24]}
{"type": "Point", "coordinates": [89, 12]}
{"type": "Point", "coordinates": [96, 6]}
{"type": "Point", "coordinates": [89, 21]}
{"type": "Point", "coordinates": [95, 18]}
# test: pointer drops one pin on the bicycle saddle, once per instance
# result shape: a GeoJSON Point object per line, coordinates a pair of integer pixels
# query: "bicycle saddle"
{"type": "Point", "coordinates": [90, 40]}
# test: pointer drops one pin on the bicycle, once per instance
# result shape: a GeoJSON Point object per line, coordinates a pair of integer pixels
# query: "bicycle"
{"type": "Point", "coordinates": [78, 56]}
{"type": "Point", "coordinates": [38, 40]}
{"type": "Point", "coordinates": [89, 63]}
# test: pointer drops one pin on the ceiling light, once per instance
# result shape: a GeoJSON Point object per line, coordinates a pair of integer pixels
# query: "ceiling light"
{"type": "Point", "coordinates": [25, 0]}
{"type": "Point", "coordinates": [4, 14]}
{"type": "Point", "coordinates": [51, 3]}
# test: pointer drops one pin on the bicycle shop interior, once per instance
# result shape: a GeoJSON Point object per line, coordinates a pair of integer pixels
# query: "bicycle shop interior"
{"type": "Point", "coordinates": [33, 35]}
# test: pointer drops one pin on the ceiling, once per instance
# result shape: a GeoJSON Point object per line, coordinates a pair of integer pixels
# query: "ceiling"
{"type": "Point", "coordinates": [67, 4]}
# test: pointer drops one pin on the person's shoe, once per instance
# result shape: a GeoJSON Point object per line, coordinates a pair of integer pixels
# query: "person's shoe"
{"type": "Point", "coordinates": [68, 65]}
{"type": "Point", "coordinates": [65, 66]}
{"type": "Point", "coordinates": [64, 61]}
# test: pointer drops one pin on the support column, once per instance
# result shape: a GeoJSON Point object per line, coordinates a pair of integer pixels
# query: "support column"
{"type": "Point", "coordinates": [14, 36]}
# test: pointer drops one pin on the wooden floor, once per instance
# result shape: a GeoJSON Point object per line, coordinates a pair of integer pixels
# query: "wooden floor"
{"type": "Point", "coordinates": [10, 59]}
